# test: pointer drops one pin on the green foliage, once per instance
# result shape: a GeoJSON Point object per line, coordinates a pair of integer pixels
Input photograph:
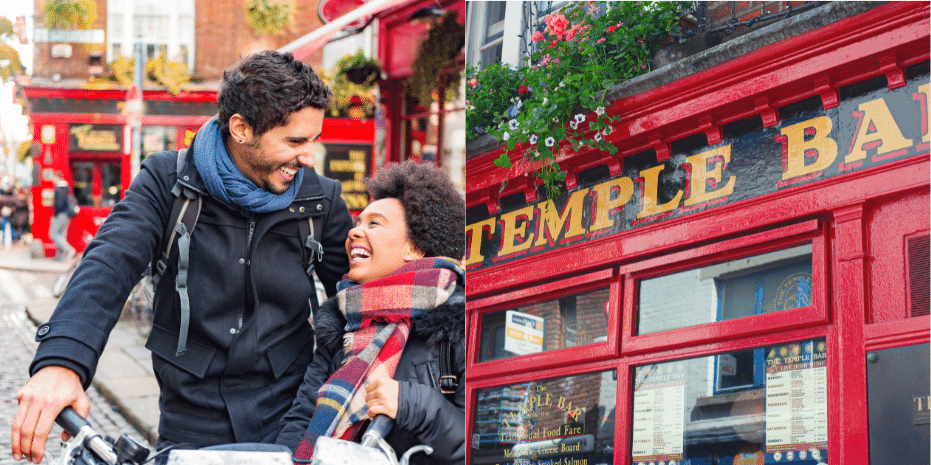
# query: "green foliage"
{"type": "Point", "coordinates": [583, 51]}
{"type": "Point", "coordinates": [357, 62]}
{"type": "Point", "coordinates": [70, 14]}
{"type": "Point", "coordinates": [488, 98]}
{"type": "Point", "coordinates": [172, 74]}
{"type": "Point", "coordinates": [435, 65]}
{"type": "Point", "coordinates": [270, 17]}
{"type": "Point", "coordinates": [10, 64]}
{"type": "Point", "coordinates": [349, 99]}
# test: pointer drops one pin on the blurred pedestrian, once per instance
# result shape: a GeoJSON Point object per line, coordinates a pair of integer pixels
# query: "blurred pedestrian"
{"type": "Point", "coordinates": [20, 218]}
{"type": "Point", "coordinates": [64, 211]}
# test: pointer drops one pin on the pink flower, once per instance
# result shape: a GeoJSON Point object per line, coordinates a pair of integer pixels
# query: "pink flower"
{"type": "Point", "coordinates": [570, 34]}
{"type": "Point", "coordinates": [473, 82]}
{"type": "Point", "coordinates": [610, 29]}
{"type": "Point", "coordinates": [620, 23]}
{"type": "Point", "coordinates": [643, 66]}
{"type": "Point", "coordinates": [537, 37]}
{"type": "Point", "coordinates": [600, 40]}
{"type": "Point", "coordinates": [557, 24]}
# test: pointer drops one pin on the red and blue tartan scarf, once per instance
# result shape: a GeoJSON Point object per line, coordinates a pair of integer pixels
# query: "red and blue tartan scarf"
{"type": "Point", "coordinates": [378, 322]}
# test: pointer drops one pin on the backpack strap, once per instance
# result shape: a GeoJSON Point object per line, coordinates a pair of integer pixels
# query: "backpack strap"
{"type": "Point", "coordinates": [184, 215]}
{"type": "Point", "coordinates": [313, 251]}
{"type": "Point", "coordinates": [448, 380]}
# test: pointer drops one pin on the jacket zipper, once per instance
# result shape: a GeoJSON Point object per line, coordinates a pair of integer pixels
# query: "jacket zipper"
{"type": "Point", "coordinates": [248, 272]}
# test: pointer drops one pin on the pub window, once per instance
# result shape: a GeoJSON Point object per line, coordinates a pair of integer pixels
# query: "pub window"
{"type": "Point", "coordinates": [545, 325]}
{"type": "Point", "coordinates": [158, 139]}
{"type": "Point", "coordinates": [775, 410]}
{"type": "Point", "coordinates": [559, 420]}
{"type": "Point", "coordinates": [755, 285]}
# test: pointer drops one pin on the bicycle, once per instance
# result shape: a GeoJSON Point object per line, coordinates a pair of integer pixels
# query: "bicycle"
{"type": "Point", "coordinates": [88, 447]}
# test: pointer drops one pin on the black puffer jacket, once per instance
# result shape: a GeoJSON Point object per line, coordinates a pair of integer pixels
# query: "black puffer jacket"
{"type": "Point", "coordinates": [249, 341]}
{"type": "Point", "coordinates": [425, 415]}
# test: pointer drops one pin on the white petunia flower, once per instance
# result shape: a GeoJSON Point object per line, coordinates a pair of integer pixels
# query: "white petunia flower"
{"type": "Point", "coordinates": [600, 111]}
{"type": "Point", "coordinates": [545, 100]}
{"type": "Point", "coordinates": [506, 135]}
{"type": "Point", "coordinates": [550, 142]}
{"type": "Point", "coordinates": [580, 118]}
{"type": "Point", "coordinates": [534, 138]}
{"type": "Point", "coordinates": [574, 124]}
{"type": "Point", "coordinates": [512, 125]}
{"type": "Point", "coordinates": [598, 137]}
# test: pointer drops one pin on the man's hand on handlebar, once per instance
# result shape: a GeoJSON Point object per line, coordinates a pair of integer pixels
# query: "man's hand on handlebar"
{"type": "Point", "coordinates": [46, 394]}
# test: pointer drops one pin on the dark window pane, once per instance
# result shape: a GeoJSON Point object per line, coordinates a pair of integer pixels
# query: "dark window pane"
{"type": "Point", "coordinates": [561, 420]}
{"type": "Point", "coordinates": [748, 286]}
{"type": "Point", "coordinates": [763, 405]}
{"type": "Point", "coordinates": [542, 326]}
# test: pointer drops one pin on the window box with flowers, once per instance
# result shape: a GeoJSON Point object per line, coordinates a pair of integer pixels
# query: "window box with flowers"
{"type": "Point", "coordinates": [558, 99]}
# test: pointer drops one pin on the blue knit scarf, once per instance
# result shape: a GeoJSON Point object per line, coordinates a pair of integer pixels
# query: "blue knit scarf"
{"type": "Point", "coordinates": [226, 183]}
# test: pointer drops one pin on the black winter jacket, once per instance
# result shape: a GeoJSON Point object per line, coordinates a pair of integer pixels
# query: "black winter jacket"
{"type": "Point", "coordinates": [425, 415]}
{"type": "Point", "coordinates": [249, 342]}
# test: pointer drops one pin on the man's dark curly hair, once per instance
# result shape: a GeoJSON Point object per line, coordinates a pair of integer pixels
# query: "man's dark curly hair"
{"type": "Point", "coordinates": [266, 87]}
{"type": "Point", "coordinates": [433, 208]}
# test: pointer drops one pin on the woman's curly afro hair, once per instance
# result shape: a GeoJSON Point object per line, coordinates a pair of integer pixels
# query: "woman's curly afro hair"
{"type": "Point", "coordinates": [433, 208]}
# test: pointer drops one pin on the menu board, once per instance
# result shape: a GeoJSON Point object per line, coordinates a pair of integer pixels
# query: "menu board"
{"type": "Point", "coordinates": [796, 396]}
{"type": "Point", "coordinates": [659, 412]}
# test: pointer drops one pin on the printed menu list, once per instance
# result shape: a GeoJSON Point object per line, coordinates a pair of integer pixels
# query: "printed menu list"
{"type": "Point", "coordinates": [796, 396]}
{"type": "Point", "coordinates": [659, 412]}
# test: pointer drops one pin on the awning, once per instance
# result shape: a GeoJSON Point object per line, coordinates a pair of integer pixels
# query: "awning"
{"type": "Point", "coordinates": [316, 39]}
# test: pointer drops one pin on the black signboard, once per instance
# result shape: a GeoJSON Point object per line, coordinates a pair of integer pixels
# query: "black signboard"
{"type": "Point", "coordinates": [871, 126]}
{"type": "Point", "coordinates": [898, 392]}
{"type": "Point", "coordinates": [349, 164]}
{"type": "Point", "coordinates": [95, 138]}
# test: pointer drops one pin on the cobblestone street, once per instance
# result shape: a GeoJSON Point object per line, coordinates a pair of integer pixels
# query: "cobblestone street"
{"type": "Point", "coordinates": [16, 350]}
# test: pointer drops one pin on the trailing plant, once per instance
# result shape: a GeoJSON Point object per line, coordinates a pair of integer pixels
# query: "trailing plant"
{"type": "Point", "coordinates": [435, 65]}
{"type": "Point", "coordinates": [171, 74]}
{"type": "Point", "coordinates": [69, 14]}
{"type": "Point", "coordinates": [580, 53]}
{"type": "Point", "coordinates": [273, 17]}
{"type": "Point", "coordinates": [488, 99]}
{"type": "Point", "coordinates": [359, 69]}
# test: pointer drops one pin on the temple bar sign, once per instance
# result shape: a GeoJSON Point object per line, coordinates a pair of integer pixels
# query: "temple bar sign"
{"type": "Point", "coordinates": [871, 126]}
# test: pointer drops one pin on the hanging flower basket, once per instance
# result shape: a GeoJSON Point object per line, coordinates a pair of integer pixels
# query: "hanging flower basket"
{"type": "Point", "coordinates": [361, 73]}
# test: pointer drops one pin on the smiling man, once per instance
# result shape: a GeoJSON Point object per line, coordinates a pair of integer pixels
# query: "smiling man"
{"type": "Point", "coordinates": [230, 341]}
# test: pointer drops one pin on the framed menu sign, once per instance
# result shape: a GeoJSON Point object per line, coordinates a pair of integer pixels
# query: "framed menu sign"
{"type": "Point", "coordinates": [796, 397]}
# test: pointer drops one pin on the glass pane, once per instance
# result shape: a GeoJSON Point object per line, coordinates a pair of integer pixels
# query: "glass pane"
{"type": "Point", "coordinates": [110, 183]}
{"type": "Point", "coordinates": [158, 139]}
{"type": "Point", "coordinates": [83, 173]}
{"type": "Point", "coordinates": [557, 421]}
{"type": "Point", "coordinates": [554, 324]}
{"type": "Point", "coordinates": [754, 285]}
{"type": "Point", "coordinates": [764, 405]}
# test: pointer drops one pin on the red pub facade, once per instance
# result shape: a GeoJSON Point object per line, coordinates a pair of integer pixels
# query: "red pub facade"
{"type": "Point", "coordinates": [745, 282]}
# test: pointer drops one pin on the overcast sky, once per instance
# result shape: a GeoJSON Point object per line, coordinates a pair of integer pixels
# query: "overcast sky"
{"type": "Point", "coordinates": [15, 125]}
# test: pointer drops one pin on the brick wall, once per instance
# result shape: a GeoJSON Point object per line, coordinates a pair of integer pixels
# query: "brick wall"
{"type": "Point", "coordinates": [75, 66]}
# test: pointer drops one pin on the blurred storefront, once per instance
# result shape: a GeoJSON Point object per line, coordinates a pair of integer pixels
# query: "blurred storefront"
{"type": "Point", "coordinates": [745, 282]}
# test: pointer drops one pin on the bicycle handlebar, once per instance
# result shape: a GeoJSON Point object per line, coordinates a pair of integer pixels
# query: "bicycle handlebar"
{"type": "Point", "coordinates": [82, 431]}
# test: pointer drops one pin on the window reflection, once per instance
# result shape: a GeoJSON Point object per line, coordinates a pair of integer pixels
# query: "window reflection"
{"type": "Point", "coordinates": [542, 326]}
{"type": "Point", "coordinates": [763, 405]}
{"type": "Point", "coordinates": [555, 421]}
{"type": "Point", "coordinates": [765, 283]}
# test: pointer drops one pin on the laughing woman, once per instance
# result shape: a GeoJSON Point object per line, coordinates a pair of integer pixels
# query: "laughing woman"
{"type": "Point", "coordinates": [396, 327]}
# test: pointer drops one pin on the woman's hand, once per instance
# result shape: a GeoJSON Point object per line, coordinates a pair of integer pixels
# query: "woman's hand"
{"type": "Point", "coordinates": [381, 396]}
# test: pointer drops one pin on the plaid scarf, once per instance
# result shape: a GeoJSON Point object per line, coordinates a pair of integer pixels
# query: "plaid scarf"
{"type": "Point", "coordinates": [378, 322]}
